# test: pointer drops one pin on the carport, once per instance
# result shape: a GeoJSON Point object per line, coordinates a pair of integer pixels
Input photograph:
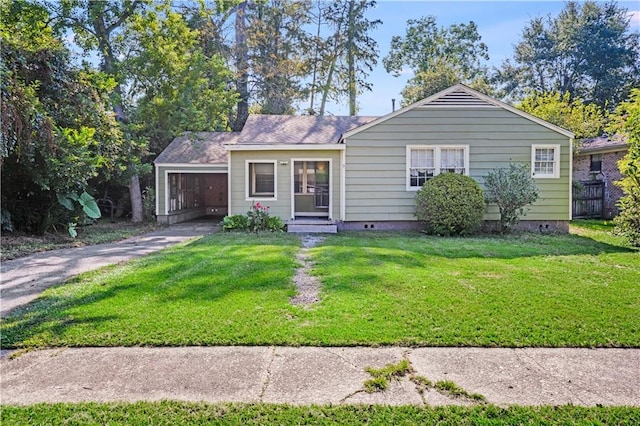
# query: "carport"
{"type": "Point", "coordinates": [192, 177]}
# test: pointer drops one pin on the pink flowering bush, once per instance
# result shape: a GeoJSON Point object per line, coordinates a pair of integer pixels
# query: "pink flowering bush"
{"type": "Point", "coordinates": [257, 219]}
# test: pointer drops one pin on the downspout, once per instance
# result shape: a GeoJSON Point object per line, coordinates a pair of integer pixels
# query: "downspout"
{"type": "Point", "coordinates": [229, 183]}
{"type": "Point", "coordinates": [571, 141]}
{"type": "Point", "coordinates": [343, 183]}
{"type": "Point", "coordinates": [157, 195]}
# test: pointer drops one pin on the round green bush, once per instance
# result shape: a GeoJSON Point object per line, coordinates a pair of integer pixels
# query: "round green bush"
{"type": "Point", "coordinates": [450, 204]}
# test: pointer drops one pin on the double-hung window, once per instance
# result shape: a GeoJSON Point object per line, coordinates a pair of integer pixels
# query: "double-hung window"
{"type": "Point", "coordinates": [545, 161]}
{"type": "Point", "coordinates": [261, 179]}
{"type": "Point", "coordinates": [427, 161]}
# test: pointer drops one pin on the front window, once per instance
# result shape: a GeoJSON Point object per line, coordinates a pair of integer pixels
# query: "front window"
{"type": "Point", "coordinates": [545, 161]}
{"type": "Point", "coordinates": [261, 179]}
{"type": "Point", "coordinates": [422, 166]}
{"type": "Point", "coordinates": [425, 162]}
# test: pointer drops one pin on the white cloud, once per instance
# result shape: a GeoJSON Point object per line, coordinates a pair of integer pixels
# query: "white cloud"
{"type": "Point", "coordinates": [634, 21]}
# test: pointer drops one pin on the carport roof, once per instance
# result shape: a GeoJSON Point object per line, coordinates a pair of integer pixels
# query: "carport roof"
{"type": "Point", "coordinates": [198, 148]}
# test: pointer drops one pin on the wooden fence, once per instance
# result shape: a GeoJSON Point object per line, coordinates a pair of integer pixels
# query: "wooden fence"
{"type": "Point", "coordinates": [588, 202]}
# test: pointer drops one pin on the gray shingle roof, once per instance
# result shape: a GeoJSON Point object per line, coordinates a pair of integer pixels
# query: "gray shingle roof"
{"type": "Point", "coordinates": [198, 148]}
{"type": "Point", "coordinates": [208, 147]}
{"type": "Point", "coordinates": [298, 129]}
{"type": "Point", "coordinates": [604, 143]}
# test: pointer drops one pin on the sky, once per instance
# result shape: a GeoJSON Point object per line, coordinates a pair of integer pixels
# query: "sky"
{"type": "Point", "coordinates": [500, 24]}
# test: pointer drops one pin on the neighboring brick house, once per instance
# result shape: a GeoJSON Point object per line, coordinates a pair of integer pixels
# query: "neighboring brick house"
{"type": "Point", "coordinates": [597, 159]}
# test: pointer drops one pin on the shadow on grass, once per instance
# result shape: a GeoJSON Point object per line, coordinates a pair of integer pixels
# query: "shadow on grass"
{"type": "Point", "coordinates": [48, 315]}
{"type": "Point", "coordinates": [202, 273]}
{"type": "Point", "coordinates": [491, 246]}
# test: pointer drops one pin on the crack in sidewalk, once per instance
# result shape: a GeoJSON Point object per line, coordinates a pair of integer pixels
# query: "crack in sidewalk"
{"type": "Point", "coordinates": [267, 380]}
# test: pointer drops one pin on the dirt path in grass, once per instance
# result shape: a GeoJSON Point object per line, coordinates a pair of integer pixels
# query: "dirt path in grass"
{"type": "Point", "coordinates": [307, 285]}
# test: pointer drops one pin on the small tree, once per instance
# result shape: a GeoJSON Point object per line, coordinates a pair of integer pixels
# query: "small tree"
{"type": "Point", "coordinates": [511, 189]}
{"type": "Point", "coordinates": [628, 221]}
{"type": "Point", "coordinates": [450, 204]}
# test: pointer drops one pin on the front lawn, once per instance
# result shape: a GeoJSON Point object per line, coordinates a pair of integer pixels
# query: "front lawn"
{"type": "Point", "coordinates": [185, 413]}
{"type": "Point", "coordinates": [378, 289]}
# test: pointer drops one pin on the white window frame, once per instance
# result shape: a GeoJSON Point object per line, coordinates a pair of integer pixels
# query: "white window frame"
{"type": "Point", "coordinates": [436, 158]}
{"type": "Point", "coordinates": [249, 181]}
{"type": "Point", "coordinates": [556, 162]}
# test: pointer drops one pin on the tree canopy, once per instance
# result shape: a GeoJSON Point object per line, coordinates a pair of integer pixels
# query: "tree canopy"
{"type": "Point", "coordinates": [439, 57]}
{"type": "Point", "coordinates": [587, 51]}
{"type": "Point", "coordinates": [584, 120]}
{"type": "Point", "coordinates": [58, 135]}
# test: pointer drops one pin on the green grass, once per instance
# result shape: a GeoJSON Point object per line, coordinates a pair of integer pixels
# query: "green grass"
{"type": "Point", "coordinates": [599, 230]}
{"type": "Point", "coordinates": [382, 376]}
{"type": "Point", "coordinates": [185, 413]}
{"type": "Point", "coordinates": [522, 290]}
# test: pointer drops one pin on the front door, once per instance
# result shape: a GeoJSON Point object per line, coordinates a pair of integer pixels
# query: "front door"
{"type": "Point", "coordinates": [311, 188]}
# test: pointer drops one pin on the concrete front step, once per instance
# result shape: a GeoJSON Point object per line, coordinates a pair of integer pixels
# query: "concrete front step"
{"type": "Point", "coordinates": [307, 228]}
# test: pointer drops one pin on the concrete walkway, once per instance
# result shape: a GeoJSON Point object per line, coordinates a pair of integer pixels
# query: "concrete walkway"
{"type": "Point", "coordinates": [310, 375]}
{"type": "Point", "coordinates": [23, 279]}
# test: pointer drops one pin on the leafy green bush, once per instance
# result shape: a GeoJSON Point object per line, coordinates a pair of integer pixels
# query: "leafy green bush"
{"type": "Point", "coordinates": [511, 189]}
{"type": "Point", "coordinates": [450, 204]}
{"type": "Point", "coordinates": [149, 203]}
{"type": "Point", "coordinates": [274, 223]}
{"type": "Point", "coordinates": [628, 221]}
{"type": "Point", "coordinates": [236, 222]}
{"type": "Point", "coordinates": [257, 219]}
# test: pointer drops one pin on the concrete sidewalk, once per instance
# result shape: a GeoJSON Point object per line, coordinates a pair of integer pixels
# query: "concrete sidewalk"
{"type": "Point", "coordinates": [23, 279]}
{"type": "Point", "coordinates": [310, 375]}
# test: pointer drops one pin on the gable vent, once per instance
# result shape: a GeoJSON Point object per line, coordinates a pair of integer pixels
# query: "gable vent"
{"type": "Point", "coordinates": [458, 98]}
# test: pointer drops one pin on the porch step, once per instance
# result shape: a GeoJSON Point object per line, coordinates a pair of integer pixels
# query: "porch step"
{"type": "Point", "coordinates": [312, 227]}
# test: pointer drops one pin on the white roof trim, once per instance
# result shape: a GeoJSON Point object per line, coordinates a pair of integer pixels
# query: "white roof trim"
{"type": "Point", "coordinates": [285, 147]}
{"type": "Point", "coordinates": [471, 92]}
{"type": "Point", "coordinates": [603, 150]}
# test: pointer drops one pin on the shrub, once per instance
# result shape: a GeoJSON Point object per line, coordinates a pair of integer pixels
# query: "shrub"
{"type": "Point", "coordinates": [511, 189]}
{"type": "Point", "coordinates": [450, 204]}
{"type": "Point", "coordinates": [257, 219]}
{"type": "Point", "coordinates": [237, 222]}
{"type": "Point", "coordinates": [628, 221]}
{"type": "Point", "coordinates": [149, 203]}
{"type": "Point", "coordinates": [274, 223]}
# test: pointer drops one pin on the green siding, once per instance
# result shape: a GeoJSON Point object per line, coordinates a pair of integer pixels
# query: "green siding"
{"type": "Point", "coordinates": [376, 159]}
{"type": "Point", "coordinates": [282, 205]}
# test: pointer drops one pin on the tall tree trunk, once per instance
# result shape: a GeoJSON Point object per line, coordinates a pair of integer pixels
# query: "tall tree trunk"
{"type": "Point", "coordinates": [314, 78]}
{"type": "Point", "coordinates": [327, 85]}
{"type": "Point", "coordinates": [351, 70]}
{"type": "Point", "coordinates": [103, 33]}
{"type": "Point", "coordinates": [242, 68]}
{"type": "Point", "coordinates": [135, 194]}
